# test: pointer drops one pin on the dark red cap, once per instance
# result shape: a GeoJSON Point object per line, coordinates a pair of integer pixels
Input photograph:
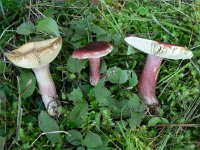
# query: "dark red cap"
{"type": "Point", "coordinates": [93, 50]}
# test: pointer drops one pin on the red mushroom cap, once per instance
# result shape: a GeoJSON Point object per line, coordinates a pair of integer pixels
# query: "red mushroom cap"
{"type": "Point", "coordinates": [93, 50]}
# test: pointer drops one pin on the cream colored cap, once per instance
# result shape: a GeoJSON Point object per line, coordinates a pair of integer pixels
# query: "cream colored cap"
{"type": "Point", "coordinates": [35, 54]}
{"type": "Point", "coordinates": [159, 49]}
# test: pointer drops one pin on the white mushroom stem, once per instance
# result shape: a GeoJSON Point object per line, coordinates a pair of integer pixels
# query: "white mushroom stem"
{"type": "Point", "coordinates": [148, 80]}
{"type": "Point", "coordinates": [47, 89]}
{"type": "Point", "coordinates": [95, 64]}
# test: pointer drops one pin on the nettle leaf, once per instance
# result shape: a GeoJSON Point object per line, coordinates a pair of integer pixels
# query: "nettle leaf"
{"type": "Point", "coordinates": [134, 102]}
{"type": "Point", "coordinates": [74, 137]}
{"type": "Point", "coordinates": [103, 67]}
{"type": "Point", "coordinates": [78, 115]}
{"type": "Point", "coordinates": [92, 140]}
{"type": "Point", "coordinates": [135, 120]}
{"type": "Point", "coordinates": [48, 124]}
{"type": "Point", "coordinates": [117, 75]}
{"type": "Point", "coordinates": [130, 50]}
{"type": "Point", "coordinates": [2, 143]}
{"type": "Point", "coordinates": [75, 65]}
{"type": "Point", "coordinates": [48, 25]}
{"type": "Point", "coordinates": [132, 78]}
{"type": "Point", "coordinates": [27, 83]}
{"type": "Point", "coordinates": [97, 29]}
{"type": "Point", "coordinates": [157, 120]}
{"type": "Point", "coordinates": [26, 28]}
{"type": "Point", "coordinates": [102, 94]}
{"type": "Point", "coordinates": [76, 96]}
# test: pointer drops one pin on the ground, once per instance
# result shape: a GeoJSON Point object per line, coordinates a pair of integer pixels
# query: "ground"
{"type": "Point", "coordinates": [109, 115]}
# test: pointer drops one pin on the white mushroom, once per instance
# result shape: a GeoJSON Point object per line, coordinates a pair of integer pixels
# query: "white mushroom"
{"type": "Point", "coordinates": [37, 56]}
{"type": "Point", "coordinates": [156, 52]}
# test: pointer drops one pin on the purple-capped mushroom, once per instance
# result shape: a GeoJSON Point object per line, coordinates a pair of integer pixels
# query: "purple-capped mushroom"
{"type": "Point", "coordinates": [93, 52]}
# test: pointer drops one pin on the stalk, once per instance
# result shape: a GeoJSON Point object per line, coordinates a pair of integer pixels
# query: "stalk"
{"type": "Point", "coordinates": [47, 89]}
{"type": "Point", "coordinates": [148, 81]}
{"type": "Point", "coordinates": [95, 75]}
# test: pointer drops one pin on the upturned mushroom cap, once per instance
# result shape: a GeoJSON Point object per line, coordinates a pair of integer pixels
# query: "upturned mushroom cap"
{"type": "Point", "coordinates": [35, 54]}
{"type": "Point", "coordinates": [93, 50]}
{"type": "Point", "coordinates": [159, 49]}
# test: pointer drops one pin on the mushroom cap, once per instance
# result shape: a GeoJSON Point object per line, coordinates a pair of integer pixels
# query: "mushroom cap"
{"type": "Point", "coordinates": [35, 54]}
{"type": "Point", "coordinates": [93, 50]}
{"type": "Point", "coordinates": [163, 50]}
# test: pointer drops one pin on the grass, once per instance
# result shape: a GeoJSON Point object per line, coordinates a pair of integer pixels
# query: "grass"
{"type": "Point", "coordinates": [109, 115]}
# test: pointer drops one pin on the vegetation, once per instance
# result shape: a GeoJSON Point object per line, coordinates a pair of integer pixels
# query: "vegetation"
{"type": "Point", "coordinates": [109, 115]}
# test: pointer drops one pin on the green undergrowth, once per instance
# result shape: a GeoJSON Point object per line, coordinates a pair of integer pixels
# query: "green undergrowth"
{"type": "Point", "coordinates": [109, 115]}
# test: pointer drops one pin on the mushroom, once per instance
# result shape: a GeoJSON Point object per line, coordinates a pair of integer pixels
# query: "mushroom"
{"type": "Point", "coordinates": [156, 52]}
{"type": "Point", "coordinates": [93, 51]}
{"type": "Point", "coordinates": [37, 56]}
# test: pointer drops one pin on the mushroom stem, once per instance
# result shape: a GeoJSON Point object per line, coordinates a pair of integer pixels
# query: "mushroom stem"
{"type": "Point", "coordinates": [95, 75]}
{"type": "Point", "coordinates": [47, 89]}
{"type": "Point", "coordinates": [148, 80]}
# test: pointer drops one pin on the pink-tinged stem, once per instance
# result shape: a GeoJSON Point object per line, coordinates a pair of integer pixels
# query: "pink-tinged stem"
{"type": "Point", "coordinates": [47, 89]}
{"type": "Point", "coordinates": [95, 75]}
{"type": "Point", "coordinates": [148, 80]}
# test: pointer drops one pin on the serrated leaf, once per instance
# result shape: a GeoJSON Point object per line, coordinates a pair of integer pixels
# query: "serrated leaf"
{"type": "Point", "coordinates": [97, 29]}
{"type": "Point", "coordinates": [26, 28]}
{"type": "Point", "coordinates": [48, 124]}
{"type": "Point", "coordinates": [117, 75]}
{"type": "Point", "coordinates": [132, 78]}
{"type": "Point", "coordinates": [102, 94]}
{"type": "Point", "coordinates": [78, 115]}
{"type": "Point", "coordinates": [74, 137]}
{"type": "Point", "coordinates": [27, 83]}
{"type": "Point", "coordinates": [76, 96]}
{"type": "Point", "coordinates": [2, 143]}
{"type": "Point", "coordinates": [123, 77]}
{"type": "Point", "coordinates": [130, 50]}
{"type": "Point", "coordinates": [75, 65]}
{"type": "Point", "coordinates": [134, 102]}
{"type": "Point", "coordinates": [135, 120]}
{"type": "Point", "coordinates": [156, 120]}
{"type": "Point", "coordinates": [48, 25]}
{"type": "Point", "coordinates": [92, 140]}
{"type": "Point", "coordinates": [103, 67]}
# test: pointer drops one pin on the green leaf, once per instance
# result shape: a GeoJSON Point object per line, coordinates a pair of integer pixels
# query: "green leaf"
{"type": "Point", "coordinates": [98, 30]}
{"type": "Point", "coordinates": [27, 83]}
{"type": "Point", "coordinates": [48, 25]}
{"type": "Point", "coordinates": [26, 28]}
{"type": "Point", "coordinates": [157, 120]}
{"type": "Point", "coordinates": [130, 50]}
{"type": "Point", "coordinates": [102, 94]}
{"type": "Point", "coordinates": [80, 148]}
{"type": "Point", "coordinates": [48, 124]}
{"type": "Point", "coordinates": [3, 68]}
{"type": "Point", "coordinates": [135, 120]}
{"type": "Point", "coordinates": [2, 143]}
{"type": "Point", "coordinates": [75, 137]}
{"type": "Point", "coordinates": [134, 102]}
{"type": "Point", "coordinates": [76, 96]}
{"type": "Point", "coordinates": [117, 75]}
{"type": "Point", "coordinates": [123, 77]}
{"type": "Point", "coordinates": [78, 115]}
{"type": "Point", "coordinates": [75, 65]}
{"type": "Point", "coordinates": [132, 78]}
{"type": "Point", "coordinates": [92, 140]}
{"type": "Point", "coordinates": [103, 67]}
